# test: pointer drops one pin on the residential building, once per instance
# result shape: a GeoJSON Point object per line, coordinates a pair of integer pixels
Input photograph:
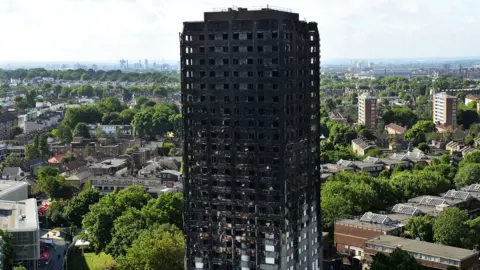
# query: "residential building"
{"type": "Point", "coordinates": [153, 184]}
{"type": "Point", "coordinates": [431, 255]}
{"type": "Point", "coordinates": [79, 178]}
{"type": "Point", "coordinates": [361, 146]}
{"type": "Point", "coordinates": [471, 98]}
{"type": "Point", "coordinates": [109, 166]}
{"type": "Point", "coordinates": [125, 131]}
{"type": "Point", "coordinates": [250, 103]}
{"type": "Point", "coordinates": [21, 220]}
{"type": "Point", "coordinates": [367, 111]}
{"type": "Point", "coordinates": [7, 121]}
{"type": "Point", "coordinates": [444, 110]}
{"type": "Point", "coordinates": [394, 129]}
{"type": "Point", "coordinates": [350, 234]}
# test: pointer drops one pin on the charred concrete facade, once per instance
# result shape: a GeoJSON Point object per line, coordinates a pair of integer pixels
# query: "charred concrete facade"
{"type": "Point", "coordinates": [250, 85]}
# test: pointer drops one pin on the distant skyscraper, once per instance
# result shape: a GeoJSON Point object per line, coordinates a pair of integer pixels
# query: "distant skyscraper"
{"type": "Point", "coordinates": [146, 64]}
{"type": "Point", "coordinates": [444, 109]}
{"type": "Point", "coordinates": [250, 95]}
{"type": "Point", "coordinates": [367, 111]}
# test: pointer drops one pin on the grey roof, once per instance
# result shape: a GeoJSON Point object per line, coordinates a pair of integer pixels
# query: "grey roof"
{"type": "Point", "coordinates": [373, 160]}
{"type": "Point", "coordinates": [172, 172]}
{"type": "Point", "coordinates": [473, 188]}
{"type": "Point", "coordinates": [363, 144]}
{"type": "Point", "coordinates": [375, 218]}
{"type": "Point", "coordinates": [454, 194]}
{"type": "Point", "coordinates": [11, 171]}
{"type": "Point", "coordinates": [109, 163]}
{"type": "Point", "coordinates": [345, 163]}
{"type": "Point", "coordinates": [432, 201]}
{"type": "Point", "coordinates": [422, 247]}
{"type": "Point", "coordinates": [406, 209]}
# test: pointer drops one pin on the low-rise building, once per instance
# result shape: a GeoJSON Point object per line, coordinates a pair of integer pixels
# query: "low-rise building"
{"type": "Point", "coordinates": [394, 129]}
{"type": "Point", "coordinates": [361, 146]}
{"type": "Point", "coordinates": [13, 190]}
{"type": "Point", "coordinates": [153, 185]}
{"type": "Point", "coordinates": [125, 131]}
{"type": "Point", "coordinates": [109, 166]}
{"type": "Point", "coordinates": [430, 255]}
{"type": "Point", "coordinates": [350, 234]}
{"type": "Point", "coordinates": [13, 173]}
{"type": "Point", "coordinates": [21, 220]}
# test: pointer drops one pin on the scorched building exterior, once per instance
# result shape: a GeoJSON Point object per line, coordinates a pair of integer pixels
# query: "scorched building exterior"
{"type": "Point", "coordinates": [250, 94]}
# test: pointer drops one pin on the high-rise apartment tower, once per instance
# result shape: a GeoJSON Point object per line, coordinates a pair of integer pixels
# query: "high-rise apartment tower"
{"type": "Point", "coordinates": [367, 111]}
{"type": "Point", "coordinates": [444, 109]}
{"type": "Point", "coordinates": [250, 94]}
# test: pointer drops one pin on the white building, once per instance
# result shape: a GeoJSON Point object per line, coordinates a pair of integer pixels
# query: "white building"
{"type": "Point", "coordinates": [21, 220]}
{"type": "Point", "coordinates": [109, 130]}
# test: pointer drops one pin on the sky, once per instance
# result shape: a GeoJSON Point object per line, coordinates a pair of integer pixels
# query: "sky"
{"type": "Point", "coordinates": [107, 30]}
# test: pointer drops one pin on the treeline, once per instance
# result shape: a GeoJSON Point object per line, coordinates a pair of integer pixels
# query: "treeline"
{"type": "Point", "coordinates": [392, 85]}
{"type": "Point", "coordinates": [159, 77]}
{"type": "Point", "coordinates": [148, 118]}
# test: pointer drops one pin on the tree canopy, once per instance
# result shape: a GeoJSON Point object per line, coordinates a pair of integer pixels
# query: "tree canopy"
{"type": "Point", "coordinates": [159, 247]}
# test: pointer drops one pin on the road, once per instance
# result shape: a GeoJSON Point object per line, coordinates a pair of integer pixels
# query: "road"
{"type": "Point", "coordinates": [60, 246]}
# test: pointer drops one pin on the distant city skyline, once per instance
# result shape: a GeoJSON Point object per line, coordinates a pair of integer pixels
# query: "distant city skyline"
{"type": "Point", "coordinates": [107, 30]}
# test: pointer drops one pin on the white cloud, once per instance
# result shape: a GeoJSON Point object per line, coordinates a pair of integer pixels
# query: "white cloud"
{"type": "Point", "coordinates": [106, 30]}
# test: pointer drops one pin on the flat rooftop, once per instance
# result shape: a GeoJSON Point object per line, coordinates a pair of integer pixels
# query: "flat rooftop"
{"type": "Point", "coordinates": [109, 163]}
{"type": "Point", "coordinates": [367, 225]}
{"type": "Point", "coordinates": [7, 186]}
{"type": "Point", "coordinates": [19, 216]}
{"type": "Point", "coordinates": [446, 252]}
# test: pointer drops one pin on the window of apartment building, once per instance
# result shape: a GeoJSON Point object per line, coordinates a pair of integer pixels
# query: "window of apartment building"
{"type": "Point", "coordinates": [236, 49]}
{"type": "Point", "coordinates": [259, 48]}
{"type": "Point", "coordinates": [225, 49]}
{"type": "Point", "coordinates": [225, 36]}
{"type": "Point", "coordinates": [211, 61]}
{"type": "Point", "coordinates": [249, 36]}
{"type": "Point", "coordinates": [236, 36]}
{"type": "Point", "coordinates": [259, 35]}
{"type": "Point", "coordinates": [236, 74]}
{"type": "Point", "coordinates": [202, 61]}
{"type": "Point", "coordinates": [226, 74]}
{"type": "Point", "coordinates": [225, 61]}
{"type": "Point", "coordinates": [250, 61]}
{"type": "Point", "coordinates": [201, 37]}
{"type": "Point", "coordinates": [274, 48]}
{"type": "Point", "coordinates": [201, 49]}
{"type": "Point", "coordinates": [235, 61]}
{"type": "Point", "coordinates": [211, 49]}
{"type": "Point", "coordinates": [212, 73]}
{"type": "Point", "coordinates": [211, 36]}
{"type": "Point", "coordinates": [260, 61]}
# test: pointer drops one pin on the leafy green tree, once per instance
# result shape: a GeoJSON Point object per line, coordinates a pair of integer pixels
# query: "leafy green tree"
{"type": "Point", "coordinates": [416, 183]}
{"type": "Point", "coordinates": [99, 222]}
{"type": "Point", "coordinates": [118, 134]}
{"type": "Point", "coordinates": [330, 104]}
{"type": "Point", "coordinates": [167, 208]}
{"type": "Point", "coordinates": [127, 116]}
{"type": "Point", "coordinates": [467, 175]}
{"type": "Point", "coordinates": [31, 152]}
{"type": "Point", "coordinates": [450, 228]}
{"type": "Point", "coordinates": [19, 268]}
{"type": "Point", "coordinates": [398, 260]}
{"type": "Point", "coordinates": [13, 160]}
{"type": "Point", "coordinates": [86, 90]}
{"type": "Point", "coordinates": [8, 251]}
{"type": "Point", "coordinates": [467, 117]}
{"type": "Point", "coordinates": [376, 152]}
{"type": "Point", "coordinates": [140, 101]}
{"type": "Point", "coordinates": [81, 130]}
{"type": "Point", "coordinates": [473, 157]}
{"type": "Point", "coordinates": [16, 130]}
{"type": "Point", "coordinates": [424, 147]}
{"type": "Point", "coordinates": [55, 213]}
{"type": "Point", "coordinates": [54, 185]}
{"type": "Point", "coordinates": [421, 227]}
{"type": "Point", "coordinates": [403, 116]}
{"type": "Point", "coordinates": [43, 150]}
{"type": "Point", "coordinates": [446, 170]}
{"type": "Point", "coordinates": [79, 206]}
{"type": "Point", "coordinates": [155, 248]}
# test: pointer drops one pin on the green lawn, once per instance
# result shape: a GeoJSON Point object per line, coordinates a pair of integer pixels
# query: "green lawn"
{"type": "Point", "coordinates": [90, 261]}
